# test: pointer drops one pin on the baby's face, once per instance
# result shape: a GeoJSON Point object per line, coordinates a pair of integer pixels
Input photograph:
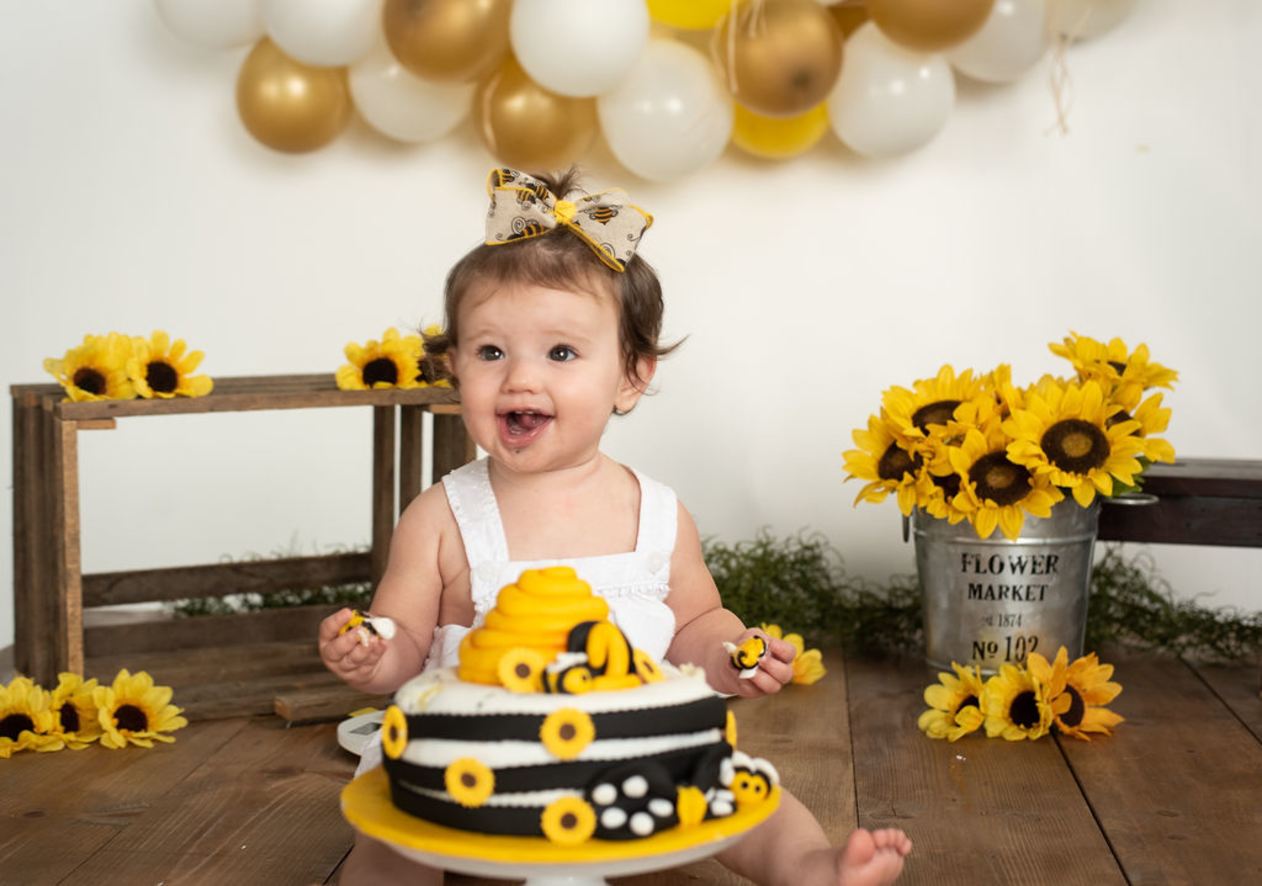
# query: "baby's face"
{"type": "Point", "coordinates": [540, 373]}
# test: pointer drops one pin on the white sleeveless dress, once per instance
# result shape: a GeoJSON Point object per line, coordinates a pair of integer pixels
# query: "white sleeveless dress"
{"type": "Point", "coordinates": [634, 583]}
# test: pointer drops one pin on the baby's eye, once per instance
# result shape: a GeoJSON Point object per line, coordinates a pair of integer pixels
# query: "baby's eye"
{"type": "Point", "coordinates": [562, 354]}
{"type": "Point", "coordinates": [490, 352]}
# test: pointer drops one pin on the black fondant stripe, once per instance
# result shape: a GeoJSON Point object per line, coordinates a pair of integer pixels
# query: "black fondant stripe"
{"type": "Point", "coordinates": [522, 821]}
{"type": "Point", "coordinates": [681, 764]}
{"type": "Point", "coordinates": [706, 713]}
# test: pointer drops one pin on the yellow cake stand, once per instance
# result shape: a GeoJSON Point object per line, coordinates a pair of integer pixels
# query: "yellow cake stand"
{"type": "Point", "coordinates": [366, 805]}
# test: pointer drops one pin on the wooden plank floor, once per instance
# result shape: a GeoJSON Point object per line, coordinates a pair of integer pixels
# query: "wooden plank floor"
{"type": "Point", "coordinates": [1175, 796]}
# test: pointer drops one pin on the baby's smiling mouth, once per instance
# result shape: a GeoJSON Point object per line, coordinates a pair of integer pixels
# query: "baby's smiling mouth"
{"type": "Point", "coordinates": [523, 422]}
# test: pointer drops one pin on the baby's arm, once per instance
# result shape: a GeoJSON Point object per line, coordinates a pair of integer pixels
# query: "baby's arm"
{"type": "Point", "coordinates": [409, 593]}
{"type": "Point", "coordinates": [702, 624]}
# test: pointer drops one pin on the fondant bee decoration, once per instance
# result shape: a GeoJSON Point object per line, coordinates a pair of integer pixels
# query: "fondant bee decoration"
{"type": "Point", "coordinates": [568, 674]}
{"type": "Point", "coordinates": [368, 624]}
{"type": "Point", "coordinates": [747, 655]}
{"type": "Point", "coordinates": [750, 779]}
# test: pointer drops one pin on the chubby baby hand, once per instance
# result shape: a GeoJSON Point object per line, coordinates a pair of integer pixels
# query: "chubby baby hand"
{"type": "Point", "coordinates": [351, 646]}
{"type": "Point", "coordinates": [759, 664]}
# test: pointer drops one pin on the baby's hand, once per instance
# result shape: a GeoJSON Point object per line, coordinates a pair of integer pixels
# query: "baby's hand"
{"type": "Point", "coordinates": [773, 670]}
{"type": "Point", "coordinates": [353, 655]}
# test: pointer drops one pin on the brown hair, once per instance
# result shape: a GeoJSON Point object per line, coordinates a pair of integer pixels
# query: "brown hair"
{"type": "Point", "coordinates": [558, 260]}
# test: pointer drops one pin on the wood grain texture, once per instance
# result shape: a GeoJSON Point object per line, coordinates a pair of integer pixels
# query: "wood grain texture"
{"type": "Point", "coordinates": [1201, 520]}
{"type": "Point", "coordinates": [318, 704]}
{"type": "Point", "coordinates": [411, 453]}
{"type": "Point", "coordinates": [68, 615]}
{"type": "Point", "coordinates": [264, 626]}
{"type": "Point", "coordinates": [1178, 787]}
{"type": "Point", "coordinates": [1239, 687]}
{"type": "Point", "coordinates": [977, 810]}
{"type": "Point", "coordinates": [452, 445]}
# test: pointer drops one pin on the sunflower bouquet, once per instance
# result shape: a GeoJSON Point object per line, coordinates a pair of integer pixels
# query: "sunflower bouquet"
{"type": "Point", "coordinates": [77, 713]}
{"type": "Point", "coordinates": [1023, 701]}
{"type": "Point", "coordinates": [397, 361]}
{"type": "Point", "coordinates": [971, 447]}
{"type": "Point", "coordinates": [122, 367]}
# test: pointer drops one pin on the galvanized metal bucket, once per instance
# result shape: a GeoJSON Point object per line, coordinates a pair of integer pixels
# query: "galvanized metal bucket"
{"type": "Point", "coordinates": [993, 601]}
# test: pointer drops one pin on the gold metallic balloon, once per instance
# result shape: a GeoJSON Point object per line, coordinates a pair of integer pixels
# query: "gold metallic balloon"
{"type": "Point", "coordinates": [929, 25]}
{"type": "Point", "coordinates": [447, 40]}
{"type": "Point", "coordinates": [527, 127]}
{"type": "Point", "coordinates": [290, 106]}
{"type": "Point", "coordinates": [849, 15]}
{"type": "Point", "coordinates": [778, 138]}
{"type": "Point", "coordinates": [779, 57]}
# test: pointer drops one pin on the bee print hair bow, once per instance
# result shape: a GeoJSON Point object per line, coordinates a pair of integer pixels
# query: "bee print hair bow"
{"type": "Point", "coordinates": [523, 207]}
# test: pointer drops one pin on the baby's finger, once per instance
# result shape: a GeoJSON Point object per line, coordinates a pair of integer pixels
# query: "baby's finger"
{"type": "Point", "coordinates": [766, 683]}
{"type": "Point", "coordinates": [781, 650]}
{"type": "Point", "coordinates": [340, 646]}
{"type": "Point", "coordinates": [331, 625]}
{"type": "Point", "coordinates": [776, 669]}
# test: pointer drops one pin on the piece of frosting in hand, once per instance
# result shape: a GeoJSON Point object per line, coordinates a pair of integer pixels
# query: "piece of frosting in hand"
{"type": "Point", "coordinates": [368, 624]}
{"type": "Point", "coordinates": [747, 655]}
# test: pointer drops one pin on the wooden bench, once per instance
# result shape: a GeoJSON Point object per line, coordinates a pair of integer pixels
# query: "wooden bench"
{"type": "Point", "coordinates": [51, 595]}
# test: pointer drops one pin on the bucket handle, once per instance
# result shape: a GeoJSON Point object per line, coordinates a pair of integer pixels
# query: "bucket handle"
{"type": "Point", "coordinates": [906, 529]}
{"type": "Point", "coordinates": [1132, 499]}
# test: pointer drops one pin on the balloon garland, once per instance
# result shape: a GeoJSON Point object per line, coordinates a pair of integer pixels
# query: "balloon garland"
{"type": "Point", "coordinates": [541, 77]}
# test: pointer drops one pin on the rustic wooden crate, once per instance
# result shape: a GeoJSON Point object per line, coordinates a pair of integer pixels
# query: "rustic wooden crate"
{"type": "Point", "coordinates": [52, 595]}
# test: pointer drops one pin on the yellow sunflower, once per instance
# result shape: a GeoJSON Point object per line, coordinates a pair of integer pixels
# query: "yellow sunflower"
{"type": "Point", "coordinates": [1077, 693]}
{"type": "Point", "coordinates": [1153, 418]}
{"type": "Point", "coordinates": [808, 664]}
{"type": "Point", "coordinates": [75, 716]}
{"type": "Point", "coordinates": [134, 710]}
{"type": "Point", "coordinates": [391, 363]}
{"type": "Point", "coordinates": [159, 367]}
{"type": "Point", "coordinates": [994, 490]}
{"type": "Point", "coordinates": [885, 464]}
{"type": "Point", "coordinates": [998, 384]}
{"type": "Point", "coordinates": [915, 414]}
{"type": "Point", "coordinates": [1064, 434]}
{"type": "Point", "coordinates": [1113, 365]}
{"type": "Point", "coordinates": [957, 704]}
{"type": "Point", "coordinates": [1016, 705]}
{"type": "Point", "coordinates": [26, 719]}
{"type": "Point", "coordinates": [96, 369]}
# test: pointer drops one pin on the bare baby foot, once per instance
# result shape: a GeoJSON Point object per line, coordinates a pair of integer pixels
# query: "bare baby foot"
{"type": "Point", "coordinates": [872, 858]}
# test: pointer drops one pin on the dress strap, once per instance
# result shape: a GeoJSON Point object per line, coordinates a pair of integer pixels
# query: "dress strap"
{"type": "Point", "coordinates": [658, 516]}
{"type": "Point", "coordinates": [477, 513]}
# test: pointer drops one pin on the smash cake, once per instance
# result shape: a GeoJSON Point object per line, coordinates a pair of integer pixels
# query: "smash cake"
{"type": "Point", "coordinates": [552, 725]}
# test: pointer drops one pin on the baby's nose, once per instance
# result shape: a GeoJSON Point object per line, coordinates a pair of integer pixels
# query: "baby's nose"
{"type": "Point", "coordinates": [522, 375]}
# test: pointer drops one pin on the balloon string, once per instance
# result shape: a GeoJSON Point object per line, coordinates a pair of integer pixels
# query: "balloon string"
{"type": "Point", "coordinates": [1061, 82]}
{"type": "Point", "coordinates": [753, 25]}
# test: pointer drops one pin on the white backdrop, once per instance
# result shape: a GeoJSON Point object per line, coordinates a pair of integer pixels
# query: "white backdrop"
{"type": "Point", "coordinates": [132, 199]}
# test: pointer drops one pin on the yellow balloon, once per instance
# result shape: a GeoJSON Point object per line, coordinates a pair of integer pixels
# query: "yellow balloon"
{"type": "Point", "coordinates": [447, 40]}
{"type": "Point", "coordinates": [526, 127]}
{"type": "Point", "coordinates": [929, 25]}
{"type": "Point", "coordinates": [290, 106]}
{"type": "Point", "coordinates": [778, 138]}
{"type": "Point", "coordinates": [779, 57]}
{"type": "Point", "coordinates": [694, 15]}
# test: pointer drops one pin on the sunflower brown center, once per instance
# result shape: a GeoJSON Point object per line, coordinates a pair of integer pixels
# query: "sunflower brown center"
{"type": "Point", "coordinates": [1077, 708]}
{"type": "Point", "coordinates": [970, 702]}
{"type": "Point", "coordinates": [1075, 445]}
{"type": "Point", "coordinates": [380, 370]}
{"type": "Point", "coordinates": [14, 725]}
{"type": "Point", "coordinates": [469, 780]}
{"type": "Point", "coordinates": [162, 377]}
{"type": "Point", "coordinates": [69, 718]}
{"type": "Point", "coordinates": [950, 484]}
{"type": "Point", "coordinates": [131, 718]}
{"type": "Point", "coordinates": [1120, 367]}
{"type": "Point", "coordinates": [999, 480]}
{"type": "Point", "coordinates": [567, 732]}
{"type": "Point", "coordinates": [1117, 418]}
{"type": "Point", "coordinates": [937, 413]}
{"type": "Point", "coordinates": [895, 462]}
{"type": "Point", "coordinates": [88, 379]}
{"type": "Point", "coordinates": [569, 821]}
{"type": "Point", "coordinates": [522, 670]}
{"type": "Point", "coordinates": [1024, 710]}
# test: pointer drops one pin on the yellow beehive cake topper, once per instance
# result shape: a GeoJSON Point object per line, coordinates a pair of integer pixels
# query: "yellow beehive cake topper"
{"type": "Point", "coordinates": [549, 633]}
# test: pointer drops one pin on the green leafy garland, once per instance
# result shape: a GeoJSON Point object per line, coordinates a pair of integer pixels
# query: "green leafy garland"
{"type": "Point", "coordinates": [800, 582]}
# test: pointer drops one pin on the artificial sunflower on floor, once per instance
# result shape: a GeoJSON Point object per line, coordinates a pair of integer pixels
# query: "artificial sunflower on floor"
{"type": "Point", "coordinates": [885, 463]}
{"type": "Point", "coordinates": [994, 490]}
{"type": "Point", "coordinates": [95, 370]}
{"type": "Point", "coordinates": [76, 720]}
{"type": "Point", "coordinates": [957, 704]}
{"type": "Point", "coordinates": [1064, 434]}
{"type": "Point", "coordinates": [394, 362]}
{"type": "Point", "coordinates": [26, 719]}
{"type": "Point", "coordinates": [162, 369]}
{"type": "Point", "coordinates": [1113, 365]}
{"type": "Point", "coordinates": [808, 664]}
{"type": "Point", "coordinates": [1078, 692]}
{"type": "Point", "coordinates": [133, 710]}
{"type": "Point", "coordinates": [1016, 705]}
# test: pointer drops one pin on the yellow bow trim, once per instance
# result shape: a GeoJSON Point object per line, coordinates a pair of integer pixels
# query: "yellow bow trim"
{"type": "Point", "coordinates": [523, 207]}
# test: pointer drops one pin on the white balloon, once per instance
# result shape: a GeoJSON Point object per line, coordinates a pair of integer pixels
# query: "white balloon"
{"type": "Point", "coordinates": [889, 100]}
{"type": "Point", "coordinates": [578, 49]}
{"type": "Point", "coordinates": [215, 24]}
{"type": "Point", "coordinates": [1011, 42]}
{"type": "Point", "coordinates": [1084, 19]}
{"type": "Point", "coordinates": [670, 116]}
{"type": "Point", "coordinates": [328, 33]}
{"type": "Point", "coordinates": [399, 104]}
